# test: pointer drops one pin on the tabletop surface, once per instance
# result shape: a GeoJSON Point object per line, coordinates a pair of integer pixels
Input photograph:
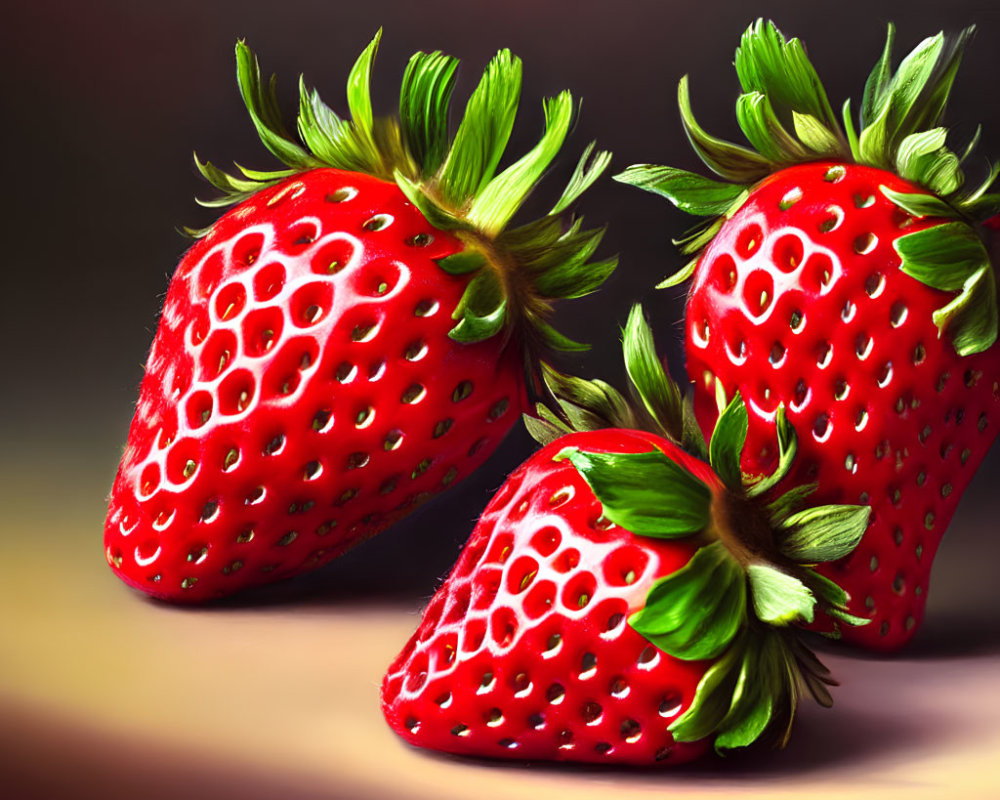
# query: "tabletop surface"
{"type": "Point", "coordinates": [104, 693]}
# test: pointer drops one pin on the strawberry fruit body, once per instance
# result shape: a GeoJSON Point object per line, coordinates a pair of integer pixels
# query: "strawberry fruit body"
{"type": "Point", "coordinates": [526, 651]}
{"type": "Point", "coordinates": [327, 358]}
{"type": "Point", "coordinates": [854, 290]}
{"type": "Point", "coordinates": [609, 607]}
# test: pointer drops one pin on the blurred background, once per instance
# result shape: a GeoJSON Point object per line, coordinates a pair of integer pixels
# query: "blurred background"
{"type": "Point", "coordinates": [103, 103]}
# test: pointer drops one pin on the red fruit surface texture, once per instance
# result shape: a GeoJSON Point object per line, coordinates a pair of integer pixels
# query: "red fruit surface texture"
{"type": "Point", "coordinates": [800, 300]}
{"type": "Point", "coordinates": [301, 391]}
{"type": "Point", "coordinates": [525, 652]}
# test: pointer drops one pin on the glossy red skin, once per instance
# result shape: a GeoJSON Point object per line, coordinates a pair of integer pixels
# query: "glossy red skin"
{"type": "Point", "coordinates": [922, 435]}
{"type": "Point", "coordinates": [227, 293]}
{"type": "Point", "coordinates": [493, 618]}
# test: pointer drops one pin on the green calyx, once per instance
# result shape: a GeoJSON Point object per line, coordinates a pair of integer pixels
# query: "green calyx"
{"type": "Point", "coordinates": [787, 119]}
{"type": "Point", "coordinates": [452, 177]}
{"type": "Point", "coordinates": [751, 581]}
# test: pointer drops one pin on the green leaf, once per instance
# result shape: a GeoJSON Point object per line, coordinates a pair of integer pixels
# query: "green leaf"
{"type": "Point", "coordinates": [334, 141]}
{"type": "Point", "coordinates": [732, 162]}
{"type": "Point", "coordinates": [712, 699]}
{"type": "Point", "coordinates": [262, 104]}
{"type": "Point", "coordinates": [695, 612]}
{"type": "Point", "coordinates": [768, 64]}
{"type": "Point", "coordinates": [850, 132]}
{"type": "Point", "coordinates": [646, 493]}
{"type": "Point", "coordinates": [754, 695]}
{"type": "Point", "coordinates": [699, 237]}
{"type": "Point", "coordinates": [359, 100]}
{"type": "Point", "coordinates": [433, 212]}
{"type": "Point", "coordinates": [575, 278]}
{"type": "Point", "coordinates": [923, 158]}
{"type": "Point", "coordinates": [726, 444]}
{"type": "Point", "coordinates": [484, 130]}
{"type": "Point", "coordinates": [764, 130]}
{"type": "Point", "coordinates": [824, 533]}
{"type": "Point", "coordinates": [423, 108]}
{"type": "Point", "coordinates": [588, 169]}
{"type": "Point", "coordinates": [878, 81]}
{"type": "Point", "coordinates": [971, 318]}
{"type": "Point", "coordinates": [788, 445]}
{"type": "Point", "coordinates": [788, 503]}
{"type": "Point", "coordinates": [943, 257]}
{"type": "Point", "coordinates": [589, 405]}
{"type": "Point", "coordinates": [659, 394]}
{"type": "Point", "coordinates": [683, 274]}
{"type": "Point", "coordinates": [689, 192]}
{"type": "Point", "coordinates": [558, 341]}
{"type": "Point", "coordinates": [496, 203]}
{"type": "Point", "coordinates": [920, 205]}
{"type": "Point", "coordinates": [816, 136]}
{"type": "Point", "coordinates": [462, 263]}
{"type": "Point", "coordinates": [482, 311]}
{"type": "Point", "coordinates": [779, 598]}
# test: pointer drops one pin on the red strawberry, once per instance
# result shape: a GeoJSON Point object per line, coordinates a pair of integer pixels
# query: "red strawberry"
{"type": "Point", "coordinates": [854, 289]}
{"type": "Point", "coordinates": [622, 601]}
{"type": "Point", "coordinates": [356, 335]}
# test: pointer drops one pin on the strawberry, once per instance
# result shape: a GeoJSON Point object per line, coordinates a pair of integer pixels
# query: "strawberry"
{"type": "Point", "coordinates": [623, 601]}
{"type": "Point", "coordinates": [356, 335]}
{"type": "Point", "coordinates": [842, 275]}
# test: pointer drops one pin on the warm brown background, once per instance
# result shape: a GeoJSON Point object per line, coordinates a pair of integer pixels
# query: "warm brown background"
{"type": "Point", "coordinates": [103, 694]}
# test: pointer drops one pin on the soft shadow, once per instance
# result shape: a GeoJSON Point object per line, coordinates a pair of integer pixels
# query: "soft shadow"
{"type": "Point", "coordinates": [842, 740]}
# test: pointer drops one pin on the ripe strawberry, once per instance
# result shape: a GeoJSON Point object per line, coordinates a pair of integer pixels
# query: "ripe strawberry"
{"type": "Point", "coordinates": [356, 335]}
{"type": "Point", "coordinates": [853, 288]}
{"type": "Point", "coordinates": [621, 600]}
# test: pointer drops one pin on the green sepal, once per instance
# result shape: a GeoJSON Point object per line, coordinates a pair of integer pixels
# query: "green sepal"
{"type": "Point", "coordinates": [482, 310]}
{"type": "Point", "coordinates": [588, 169]}
{"type": "Point", "coordinates": [878, 81]}
{"type": "Point", "coordinates": [695, 612]}
{"type": "Point", "coordinates": [754, 696]}
{"type": "Point", "coordinates": [971, 317]}
{"type": "Point", "coordinates": [423, 108]}
{"type": "Point", "coordinates": [462, 263]}
{"type": "Point", "coordinates": [659, 394]}
{"type": "Point", "coordinates": [558, 341]}
{"type": "Point", "coordinates": [726, 444]}
{"type": "Point", "coordinates": [779, 598]}
{"type": "Point", "coordinates": [484, 130]}
{"type": "Point", "coordinates": [823, 533]}
{"type": "Point", "coordinates": [262, 104]}
{"type": "Point", "coordinates": [788, 503]}
{"type": "Point", "coordinates": [498, 200]}
{"type": "Point", "coordinates": [788, 447]}
{"type": "Point", "coordinates": [817, 138]}
{"type": "Point", "coordinates": [767, 63]}
{"type": "Point", "coordinates": [765, 132]}
{"type": "Point", "coordinates": [700, 236]}
{"type": "Point", "coordinates": [588, 405]}
{"type": "Point", "coordinates": [834, 599]}
{"type": "Point", "coordinates": [730, 161]}
{"type": "Point", "coordinates": [923, 158]}
{"type": "Point", "coordinates": [646, 493]}
{"type": "Point", "coordinates": [920, 205]}
{"type": "Point", "coordinates": [686, 190]}
{"type": "Point", "coordinates": [854, 145]}
{"type": "Point", "coordinates": [681, 276]}
{"type": "Point", "coordinates": [436, 214]}
{"type": "Point", "coordinates": [712, 699]}
{"type": "Point", "coordinates": [951, 258]}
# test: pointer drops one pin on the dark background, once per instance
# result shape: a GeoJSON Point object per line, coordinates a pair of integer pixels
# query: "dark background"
{"type": "Point", "coordinates": [103, 103]}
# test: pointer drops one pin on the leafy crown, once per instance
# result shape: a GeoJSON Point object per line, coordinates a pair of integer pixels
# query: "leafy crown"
{"type": "Point", "coordinates": [515, 272]}
{"type": "Point", "coordinates": [739, 599]}
{"type": "Point", "coordinates": [787, 119]}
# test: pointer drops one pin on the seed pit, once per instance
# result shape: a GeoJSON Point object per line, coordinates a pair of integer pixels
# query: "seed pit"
{"type": "Point", "coordinates": [230, 300]}
{"type": "Point", "coordinates": [268, 282]}
{"type": "Point", "coordinates": [420, 240]}
{"type": "Point", "coordinates": [311, 303]}
{"type": "Point", "coordinates": [864, 244]}
{"type": "Point", "coordinates": [416, 351]}
{"type": "Point", "coordinates": [413, 394]}
{"type": "Point", "coordinates": [591, 712]}
{"type": "Point", "coordinates": [342, 195]}
{"type": "Point", "coordinates": [261, 330]}
{"type": "Point", "coordinates": [378, 222]}
{"type": "Point", "coordinates": [788, 253]}
{"type": "Point", "coordinates": [631, 731]}
{"type": "Point", "coordinates": [834, 174]}
{"type": "Point", "coordinates": [426, 308]}
{"type": "Point", "coordinates": [833, 217]}
{"type": "Point", "coordinates": [670, 705]}
{"type": "Point", "coordinates": [791, 197]}
{"type": "Point", "coordinates": [749, 240]}
{"type": "Point", "coordinates": [758, 292]}
{"type": "Point", "coordinates": [864, 200]}
{"type": "Point", "coordinates": [461, 392]}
